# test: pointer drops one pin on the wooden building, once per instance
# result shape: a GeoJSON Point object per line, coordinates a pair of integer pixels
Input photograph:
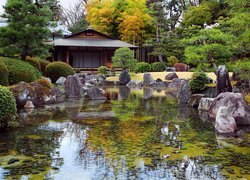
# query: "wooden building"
{"type": "Point", "coordinates": [88, 49]}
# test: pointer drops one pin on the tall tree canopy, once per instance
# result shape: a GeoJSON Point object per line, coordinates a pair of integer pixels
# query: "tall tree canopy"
{"type": "Point", "coordinates": [27, 28]}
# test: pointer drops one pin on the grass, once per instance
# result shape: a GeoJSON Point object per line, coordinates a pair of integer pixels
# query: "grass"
{"type": "Point", "coordinates": [161, 75]}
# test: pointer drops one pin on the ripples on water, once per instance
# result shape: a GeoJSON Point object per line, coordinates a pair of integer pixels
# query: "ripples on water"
{"type": "Point", "coordinates": [135, 134]}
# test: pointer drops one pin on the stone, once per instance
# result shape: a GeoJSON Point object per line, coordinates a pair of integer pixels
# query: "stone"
{"type": "Point", "coordinates": [47, 78]}
{"type": "Point", "coordinates": [171, 76]}
{"type": "Point", "coordinates": [73, 87]}
{"type": "Point", "coordinates": [157, 84]}
{"type": "Point", "coordinates": [124, 77]}
{"type": "Point", "coordinates": [95, 93]}
{"type": "Point", "coordinates": [194, 100]}
{"type": "Point", "coordinates": [101, 78]}
{"type": "Point", "coordinates": [147, 92]}
{"type": "Point", "coordinates": [176, 83]}
{"type": "Point", "coordinates": [235, 77]}
{"type": "Point", "coordinates": [170, 69]}
{"type": "Point", "coordinates": [109, 83]}
{"type": "Point", "coordinates": [225, 122]}
{"type": "Point", "coordinates": [60, 81]}
{"type": "Point", "coordinates": [205, 103]}
{"type": "Point", "coordinates": [236, 104]}
{"type": "Point", "coordinates": [29, 105]}
{"type": "Point", "coordinates": [135, 84]}
{"type": "Point", "coordinates": [147, 79]}
{"type": "Point", "coordinates": [159, 80]}
{"type": "Point", "coordinates": [223, 83]}
{"type": "Point", "coordinates": [185, 93]}
{"type": "Point", "coordinates": [181, 67]}
{"type": "Point", "coordinates": [124, 92]}
{"type": "Point", "coordinates": [56, 96]}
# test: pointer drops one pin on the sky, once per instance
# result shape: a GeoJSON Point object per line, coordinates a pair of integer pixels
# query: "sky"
{"type": "Point", "coordinates": [64, 3]}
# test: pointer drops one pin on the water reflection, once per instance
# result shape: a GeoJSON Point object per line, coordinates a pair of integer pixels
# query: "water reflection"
{"type": "Point", "coordinates": [126, 136]}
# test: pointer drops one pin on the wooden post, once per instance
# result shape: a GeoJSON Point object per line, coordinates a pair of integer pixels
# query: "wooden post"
{"type": "Point", "coordinates": [67, 55]}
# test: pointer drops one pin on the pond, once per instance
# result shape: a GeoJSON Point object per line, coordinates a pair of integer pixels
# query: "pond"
{"type": "Point", "coordinates": [134, 134]}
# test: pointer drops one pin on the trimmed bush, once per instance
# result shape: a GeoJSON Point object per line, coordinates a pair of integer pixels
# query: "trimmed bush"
{"type": "Point", "coordinates": [4, 74]}
{"type": "Point", "coordinates": [20, 71]}
{"type": "Point", "coordinates": [55, 70]}
{"type": "Point", "coordinates": [142, 67]}
{"type": "Point", "coordinates": [103, 70]}
{"type": "Point", "coordinates": [198, 82]}
{"type": "Point", "coordinates": [7, 107]}
{"type": "Point", "coordinates": [44, 83]}
{"type": "Point", "coordinates": [158, 66]}
{"type": "Point", "coordinates": [34, 62]}
{"type": "Point", "coordinates": [43, 64]}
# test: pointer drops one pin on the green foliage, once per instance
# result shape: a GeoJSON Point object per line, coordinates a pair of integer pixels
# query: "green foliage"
{"type": "Point", "coordinates": [142, 67]}
{"type": "Point", "coordinates": [172, 60]}
{"type": "Point", "coordinates": [124, 58]}
{"type": "Point", "coordinates": [44, 83]}
{"type": "Point", "coordinates": [158, 66]}
{"type": "Point", "coordinates": [27, 28]}
{"type": "Point", "coordinates": [43, 64]}
{"type": "Point", "coordinates": [20, 71]}
{"type": "Point", "coordinates": [103, 70]}
{"type": "Point", "coordinates": [242, 67]}
{"type": "Point", "coordinates": [7, 107]}
{"type": "Point", "coordinates": [55, 70]}
{"type": "Point", "coordinates": [4, 74]}
{"type": "Point", "coordinates": [78, 26]}
{"type": "Point", "coordinates": [198, 82]}
{"type": "Point", "coordinates": [34, 62]}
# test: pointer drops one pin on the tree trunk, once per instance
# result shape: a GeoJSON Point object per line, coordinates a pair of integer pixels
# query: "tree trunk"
{"type": "Point", "coordinates": [160, 58]}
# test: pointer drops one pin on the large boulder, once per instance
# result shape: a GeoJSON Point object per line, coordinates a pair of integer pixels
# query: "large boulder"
{"type": "Point", "coordinates": [223, 83]}
{"type": "Point", "coordinates": [147, 79]}
{"type": "Point", "coordinates": [176, 83]}
{"type": "Point", "coordinates": [95, 93]}
{"type": "Point", "coordinates": [135, 84]}
{"type": "Point", "coordinates": [170, 69]}
{"type": "Point", "coordinates": [73, 87]}
{"type": "Point", "coordinates": [236, 104]}
{"type": "Point", "coordinates": [60, 81]}
{"type": "Point", "coordinates": [225, 122]}
{"type": "Point", "coordinates": [171, 76]}
{"type": "Point", "coordinates": [194, 100]}
{"type": "Point", "coordinates": [21, 93]}
{"type": "Point", "coordinates": [55, 96]}
{"type": "Point", "coordinates": [205, 104]}
{"type": "Point", "coordinates": [185, 92]}
{"type": "Point", "coordinates": [124, 77]}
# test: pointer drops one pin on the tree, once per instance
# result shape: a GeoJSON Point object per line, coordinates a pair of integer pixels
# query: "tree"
{"type": "Point", "coordinates": [208, 48]}
{"type": "Point", "coordinates": [124, 58]}
{"type": "Point", "coordinates": [27, 28]}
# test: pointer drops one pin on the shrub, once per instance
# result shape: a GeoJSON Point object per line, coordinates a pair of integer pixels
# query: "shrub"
{"type": "Point", "coordinates": [43, 64]}
{"type": "Point", "coordinates": [242, 67]}
{"type": "Point", "coordinates": [44, 83]}
{"type": "Point", "coordinates": [34, 62]}
{"type": "Point", "coordinates": [172, 60]}
{"type": "Point", "coordinates": [77, 70]}
{"type": "Point", "coordinates": [20, 71]}
{"type": "Point", "coordinates": [55, 70]}
{"type": "Point", "coordinates": [103, 70]}
{"type": "Point", "coordinates": [7, 107]}
{"type": "Point", "coordinates": [4, 74]}
{"type": "Point", "coordinates": [142, 67]}
{"type": "Point", "coordinates": [198, 82]}
{"type": "Point", "coordinates": [124, 58]}
{"type": "Point", "coordinates": [158, 66]}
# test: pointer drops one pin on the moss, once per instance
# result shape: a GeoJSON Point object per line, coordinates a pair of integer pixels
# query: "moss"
{"type": "Point", "coordinates": [247, 98]}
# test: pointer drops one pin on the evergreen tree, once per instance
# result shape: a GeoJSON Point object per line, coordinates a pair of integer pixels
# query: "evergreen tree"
{"type": "Point", "coordinates": [27, 28]}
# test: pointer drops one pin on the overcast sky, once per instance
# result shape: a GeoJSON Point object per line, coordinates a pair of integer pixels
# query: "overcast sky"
{"type": "Point", "coordinates": [64, 3]}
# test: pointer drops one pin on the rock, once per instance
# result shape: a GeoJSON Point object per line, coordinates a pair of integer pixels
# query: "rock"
{"type": "Point", "coordinates": [147, 79]}
{"type": "Point", "coordinates": [29, 105]}
{"type": "Point", "coordinates": [171, 76]}
{"type": "Point", "coordinates": [101, 78]}
{"type": "Point", "coordinates": [225, 123]}
{"type": "Point", "coordinates": [124, 92]}
{"type": "Point", "coordinates": [159, 80]}
{"type": "Point", "coordinates": [157, 84]}
{"type": "Point", "coordinates": [124, 77]}
{"type": "Point", "coordinates": [135, 84]}
{"type": "Point", "coordinates": [73, 87]}
{"type": "Point", "coordinates": [205, 103]}
{"type": "Point", "coordinates": [235, 77]}
{"type": "Point", "coordinates": [194, 100]}
{"type": "Point", "coordinates": [55, 96]}
{"type": "Point", "coordinates": [236, 104]}
{"type": "Point", "coordinates": [181, 67]}
{"type": "Point", "coordinates": [170, 69]}
{"type": "Point", "coordinates": [147, 92]}
{"type": "Point", "coordinates": [95, 93]}
{"type": "Point", "coordinates": [60, 81]}
{"type": "Point", "coordinates": [13, 160]}
{"type": "Point", "coordinates": [176, 83]}
{"type": "Point", "coordinates": [185, 92]}
{"type": "Point", "coordinates": [47, 78]}
{"type": "Point", "coordinates": [109, 83]}
{"type": "Point", "coordinates": [223, 83]}
{"type": "Point", "coordinates": [243, 85]}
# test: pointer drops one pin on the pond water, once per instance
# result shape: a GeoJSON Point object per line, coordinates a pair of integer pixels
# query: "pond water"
{"type": "Point", "coordinates": [135, 134]}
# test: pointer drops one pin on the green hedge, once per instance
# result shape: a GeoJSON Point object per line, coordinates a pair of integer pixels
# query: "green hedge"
{"type": "Point", "coordinates": [142, 67]}
{"type": "Point", "coordinates": [158, 66]}
{"type": "Point", "coordinates": [34, 62]}
{"type": "Point", "coordinates": [43, 64]}
{"type": "Point", "coordinates": [103, 70]}
{"type": "Point", "coordinates": [20, 71]}
{"type": "Point", "coordinates": [55, 70]}
{"type": "Point", "coordinates": [198, 82]}
{"type": "Point", "coordinates": [4, 74]}
{"type": "Point", "coordinates": [7, 107]}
